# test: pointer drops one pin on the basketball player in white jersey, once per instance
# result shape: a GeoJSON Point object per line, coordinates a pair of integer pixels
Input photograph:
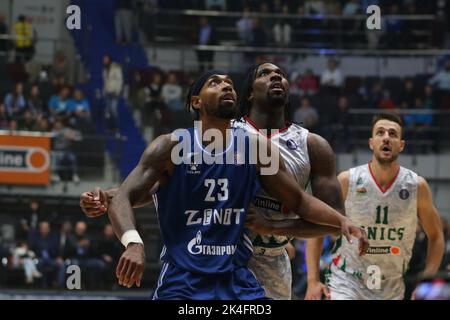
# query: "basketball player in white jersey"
{"type": "Point", "coordinates": [387, 200]}
{"type": "Point", "coordinates": [264, 105]}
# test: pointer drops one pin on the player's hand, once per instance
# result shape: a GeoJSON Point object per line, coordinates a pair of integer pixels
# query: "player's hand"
{"type": "Point", "coordinates": [348, 229]}
{"type": "Point", "coordinates": [257, 223]}
{"type": "Point", "coordinates": [131, 265]}
{"type": "Point", "coordinates": [315, 290]}
{"type": "Point", "coordinates": [94, 203]}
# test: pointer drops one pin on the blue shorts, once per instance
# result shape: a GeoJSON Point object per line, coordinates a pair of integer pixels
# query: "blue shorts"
{"type": "Point", "coordinates": [178, 284]}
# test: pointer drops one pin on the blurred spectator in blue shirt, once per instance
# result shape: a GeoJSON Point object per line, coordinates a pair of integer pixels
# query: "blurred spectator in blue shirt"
{"type": "Point", "coordinates": [15, 102]}
{"type": "Point", "coordinates": [58, 104]}
{"type": "Point", "coordinates": [78, 107]}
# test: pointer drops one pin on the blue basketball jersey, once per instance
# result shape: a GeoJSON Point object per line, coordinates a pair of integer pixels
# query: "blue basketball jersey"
{"type": "Point", "coordinates": [203, 207]}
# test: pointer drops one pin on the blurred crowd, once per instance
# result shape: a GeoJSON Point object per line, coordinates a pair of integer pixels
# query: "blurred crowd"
{"type": "Point", "coordinates": [37, 252]}
{"type": "Point", "coordinates": [322, 103]}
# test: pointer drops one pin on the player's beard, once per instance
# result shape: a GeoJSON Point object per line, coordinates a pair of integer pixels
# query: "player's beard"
{"type": "Point", "coordinates": [225, 110]}
{"type": "Point", "coordinates": [386, 161]}
{"type": "Point", "coordinates": [277, 100]}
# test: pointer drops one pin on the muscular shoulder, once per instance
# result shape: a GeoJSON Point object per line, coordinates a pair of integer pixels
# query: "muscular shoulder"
{"type": "Point", "coordinates": [318, 146]}
{"type": "Point", "coordinates": [159, 149]}
{"type": "Point", "coordinates": [321, 155]}
{"type": "Point", "coordinates": [422, 186]}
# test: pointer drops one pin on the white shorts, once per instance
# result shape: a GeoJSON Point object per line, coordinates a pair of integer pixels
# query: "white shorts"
{"type": "Point", "coordinates": [344, 286]}
{"type": "Point", "coordinates": [273, 272]}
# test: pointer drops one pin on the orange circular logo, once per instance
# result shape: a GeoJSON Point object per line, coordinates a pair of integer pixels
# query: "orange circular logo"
{"type": "Point", "coordinates": [37, 159]}
{"type": "Point", "coordinates": [395, 250]}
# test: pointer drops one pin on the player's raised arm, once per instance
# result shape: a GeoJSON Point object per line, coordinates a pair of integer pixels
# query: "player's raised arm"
{"type": "Point", "coordinates": [154, 163]}
{"type": "Point", "coordinates": [431, 223]}
{"type": "Point", "coordinates": [282, 186]}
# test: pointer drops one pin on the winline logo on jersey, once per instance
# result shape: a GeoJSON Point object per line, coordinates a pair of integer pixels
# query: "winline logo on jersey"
{"type": "Point", "coordinates": [241, 147]}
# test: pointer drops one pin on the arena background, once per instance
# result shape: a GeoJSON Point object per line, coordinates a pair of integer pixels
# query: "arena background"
{"type": "Point", "coordinates": [60, 135]}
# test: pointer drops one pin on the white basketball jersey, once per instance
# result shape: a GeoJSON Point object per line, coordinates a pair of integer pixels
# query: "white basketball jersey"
{"type": "Point", "coordinates": [292, 143]}
{"type": "Point", "coordinates": [390, 219]}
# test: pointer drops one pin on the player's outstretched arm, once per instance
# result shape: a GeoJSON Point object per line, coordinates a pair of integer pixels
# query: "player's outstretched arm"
{"type": "Point", "coordinates": [282, 186]}
{"type": "Point", "coordinates": [431, 223]}
{"type": "Point", "coordinates": [94, 203]}
{"type": "Point", "coordinates": [291, 227]}
{"type": "Point", "coordinates": [154, 163]}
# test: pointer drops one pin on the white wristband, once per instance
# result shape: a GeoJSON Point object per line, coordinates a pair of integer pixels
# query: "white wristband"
{"type": "Point", "coordinates": [130, 236]}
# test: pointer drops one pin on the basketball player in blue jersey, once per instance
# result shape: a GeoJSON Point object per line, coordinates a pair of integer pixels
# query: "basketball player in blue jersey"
{"type": "Point", "coordinates": [202, 208]}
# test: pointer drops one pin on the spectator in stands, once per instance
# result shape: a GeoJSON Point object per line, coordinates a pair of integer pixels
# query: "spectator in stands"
{"type": "Point", "coordinates": [408, 94]}
{"type": "Point", "coordinates": [306, 115]}
{"type": "Point", "coordinates": [23, 258]}
{"type": "Point", "coordinates": [35, 103]}
{"type": "Point", "coordinates": [15, 102]}
{"type": "Point", "coordinates": [80, 250]}
{"type": "Point", "coordinates": [65, 158]}
{"type": "Point", "coordinates": [31, 222]}
{"type": "Point", "coordinates": [123, 21]}
{"type": "Point", "coordinates": [58, 104]}
{"type": "Point", "coordinates": [441, 81]}
{"type": "Point", "coordinates": [147, 17]}
{"type": "Point", "coordinates": [59, 70]}
{"type": "Point", "coordinates": [315, 7]}
{"type": "Point", "coordinates": [45, 244]}
{"type": "Point", "coordinates": [282, 29]}
{"type": "Point", "coordinates": [306, 84]}
{"type": "Point", "coordinates": [351, 7]}
{"type": "Point", "coordinates": [42, 124]}
{"type": "Point", "coordinates": [4, 43]}
{"type": "Point", "coordinates": [78, 108]}
{"type": "Point", "coordinates": [429, 98]}
{"type": "Point", "coordinates": [25, 39]}
{"type": "Point", "coordinates": [112, 89]}
{"type": "Point", "coordinates": [331, 78]}
{"type": "Point", "coordinates": [109, 249]}
{"type": "Point", "coordinates": [27, 121]}
{"type": "Point", "coordinates": [374, 95]}
{"type": "Point", "coordinates": [64, 235]}
{"type": "Point", "coordinates": [394, 28]}
{"type": "Point", "coordinates": [341, 126]}
{"type": "Point", "coordinates": [13, 126]}
{"type": "Point", "coordinates": [219, 5]}
{"type": "Point", "coordinates": [386, 101]}
{"type": "Point", "coordinates": [418, 125]}
{"type": "Point", "coordinates": [259, 38]}
{"type": "Point", "coordinates": [3, 117]}
{"type": "Point", "coordinates": [171, 93]}
{"type": "Point", "coordinates": [244, 26]}
{"type": "Point", "coordinates": [153, 105]}
{"type": "Point", "coordinates": [205, 37]}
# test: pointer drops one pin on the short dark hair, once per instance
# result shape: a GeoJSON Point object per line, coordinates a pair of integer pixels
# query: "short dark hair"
{"type": "Point", "coordinates": [387, 116]}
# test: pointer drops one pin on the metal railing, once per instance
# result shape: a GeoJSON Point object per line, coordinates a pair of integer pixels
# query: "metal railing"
{"type": "Point", "coordinates": [325, 31]}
